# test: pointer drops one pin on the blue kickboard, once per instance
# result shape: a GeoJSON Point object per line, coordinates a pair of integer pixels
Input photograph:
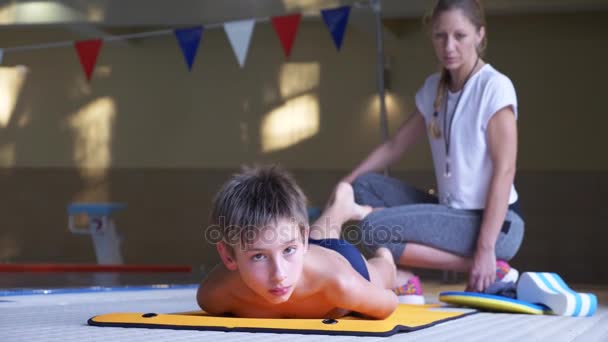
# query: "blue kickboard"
{"type": "Point", "coordinates": [491, 302]}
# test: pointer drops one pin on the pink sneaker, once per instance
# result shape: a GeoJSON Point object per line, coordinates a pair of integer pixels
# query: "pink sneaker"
{"type": "Point", "coordinates": [410, 292]}
{"type": "Point", "coordinates": [505, 273]}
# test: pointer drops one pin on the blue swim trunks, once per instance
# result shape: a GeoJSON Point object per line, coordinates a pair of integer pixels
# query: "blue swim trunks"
{"type": "Point", "coordinates": [347, 250]}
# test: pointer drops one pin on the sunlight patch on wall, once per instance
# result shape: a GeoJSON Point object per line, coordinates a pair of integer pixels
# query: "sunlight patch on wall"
{"type": "Point", "coordinates": [8, 14]}
{"type": "Point", "coordinates": [311, 6]}
{"type": "Point", "coordinates": [95, 13]}
{"type": "Point", "coordinates": [7, 155]}
{"type": "Point", "coordinates": [92, 127]}
{"type": "Point", "coordinates": [44, 12]}
{"type": "Point", "coordinates": [290, 124]}
{"type": "Point", "coordinates": [103, 71]}
{"type": "Point", "coordinates": [394, 110]}
{"type": "Point", "coordinates": [11, 82]}
{"type": "Point", "coordinates": [298, 118]}
{"type": "Point", "coordinates": [298, 78]}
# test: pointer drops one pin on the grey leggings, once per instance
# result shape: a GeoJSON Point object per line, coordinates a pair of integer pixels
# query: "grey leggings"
{"type": "Point", "coordinates": [412, 215]}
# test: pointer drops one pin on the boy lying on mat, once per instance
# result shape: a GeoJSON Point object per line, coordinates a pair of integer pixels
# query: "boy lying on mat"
{"type": "Point", "coordinates": [275, 266]}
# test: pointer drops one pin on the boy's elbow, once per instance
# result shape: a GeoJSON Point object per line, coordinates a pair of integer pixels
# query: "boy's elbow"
{"type": "Point", "coordinates": [390, 306]}
{"type": "Point", "coordinates": [383, 312]}
{"type": "Point", "coordinates": [204, 300]}
{"type": "Point", "coordinates": [206, 305]}
{"type": "Point", "coordinates": [200, 298]}
{"type": "Point", "coordinates": [377, 304]}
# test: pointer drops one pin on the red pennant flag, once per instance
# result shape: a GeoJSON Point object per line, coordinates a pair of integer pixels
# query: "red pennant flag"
{"type": "Point", "coordinates": [88, 50]}
{"type": "Point", "coordinates": [286, 28]}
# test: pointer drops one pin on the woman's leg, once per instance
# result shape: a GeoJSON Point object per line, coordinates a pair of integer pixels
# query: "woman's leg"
{"type": "Point", "coordinates": [437, 236]}
{"type": "Point", "coordinates": [416, 255]}
{"type": "Point", "coordinates": [379, 191]}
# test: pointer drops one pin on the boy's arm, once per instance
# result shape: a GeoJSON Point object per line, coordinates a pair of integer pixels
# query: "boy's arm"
{"type": "Point", "coordinates": [355, 293]}
{"type": "Point", "coordinates": [213, 295]}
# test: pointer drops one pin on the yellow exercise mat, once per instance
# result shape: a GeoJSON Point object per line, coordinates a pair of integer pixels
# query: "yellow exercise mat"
{"type": "Point", "coordinates": [405, 318]}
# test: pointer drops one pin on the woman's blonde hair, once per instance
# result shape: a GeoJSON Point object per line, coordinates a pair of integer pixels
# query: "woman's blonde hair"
{"type": "Point", "coordinates": [473, 10]}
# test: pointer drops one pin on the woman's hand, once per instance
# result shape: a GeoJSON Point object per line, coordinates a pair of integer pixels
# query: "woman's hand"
{"type": "Point", "coordinates": [483, 270]}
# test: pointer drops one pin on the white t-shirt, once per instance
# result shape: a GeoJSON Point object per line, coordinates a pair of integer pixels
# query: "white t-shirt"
{"type": "Point", "coordinates": [486, 92]}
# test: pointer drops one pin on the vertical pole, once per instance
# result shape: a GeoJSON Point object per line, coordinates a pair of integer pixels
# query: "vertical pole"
{"type": "Point", "coordinates": [377, 8]}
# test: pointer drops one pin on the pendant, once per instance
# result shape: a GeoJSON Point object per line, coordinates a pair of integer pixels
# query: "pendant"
{"type": "Point", "coordinates": [447, 199]}
{"type": "Point", "coordinates": [448, 172]}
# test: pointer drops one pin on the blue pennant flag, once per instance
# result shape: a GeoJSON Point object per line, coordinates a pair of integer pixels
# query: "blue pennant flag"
{"type": "Point", "coordinates": [189, 40]}
{"type": "Point", "coordinates": [336, 20]}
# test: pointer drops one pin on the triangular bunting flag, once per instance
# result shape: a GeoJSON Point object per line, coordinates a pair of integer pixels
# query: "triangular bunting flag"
{"type": "Point", "coordinates": [88, 50]}
{"type": "Point", "coordinates": [336, 20]}
{"type": "Point", "coordinates": [286, 28]}
{"type": "Point", "coordinates": [1, 55]}
{"type": "Point", "coordinates": [239, 34]}
{"type": "Point", "coordinates": [189, 40]}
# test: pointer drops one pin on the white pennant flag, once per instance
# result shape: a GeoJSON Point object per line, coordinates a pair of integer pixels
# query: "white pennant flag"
{"type": "Point", "coordinates": [1, 55]}
{"type": "Point", "coordinates": [239, 34]}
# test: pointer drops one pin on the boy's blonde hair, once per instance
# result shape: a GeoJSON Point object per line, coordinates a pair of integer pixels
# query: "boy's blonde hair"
{"type": "Point", "coordinates": [256, 198]}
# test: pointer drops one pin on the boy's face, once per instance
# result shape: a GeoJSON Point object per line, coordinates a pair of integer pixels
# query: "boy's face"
{"type": "Point", "coordinates": [271, 263]}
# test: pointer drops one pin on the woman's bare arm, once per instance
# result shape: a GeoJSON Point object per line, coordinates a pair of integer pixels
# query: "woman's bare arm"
{"type": "Point", "coordinates": [389, 152]}
{"type": "Point", "coordinates": [502, 140]}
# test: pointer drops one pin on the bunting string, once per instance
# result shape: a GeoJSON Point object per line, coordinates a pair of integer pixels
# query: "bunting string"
{"type": "Point", "coordinates": [239, 35]}
{"type": "Point", "coordinates": [113, 38]}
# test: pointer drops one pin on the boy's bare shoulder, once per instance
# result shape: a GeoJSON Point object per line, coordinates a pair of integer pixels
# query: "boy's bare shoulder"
{"type": "Point", "coordinates": [214, 295]}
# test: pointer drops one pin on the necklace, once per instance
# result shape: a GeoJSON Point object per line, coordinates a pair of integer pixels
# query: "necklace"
{"type": "Point", "coordinates": [447, 122]}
